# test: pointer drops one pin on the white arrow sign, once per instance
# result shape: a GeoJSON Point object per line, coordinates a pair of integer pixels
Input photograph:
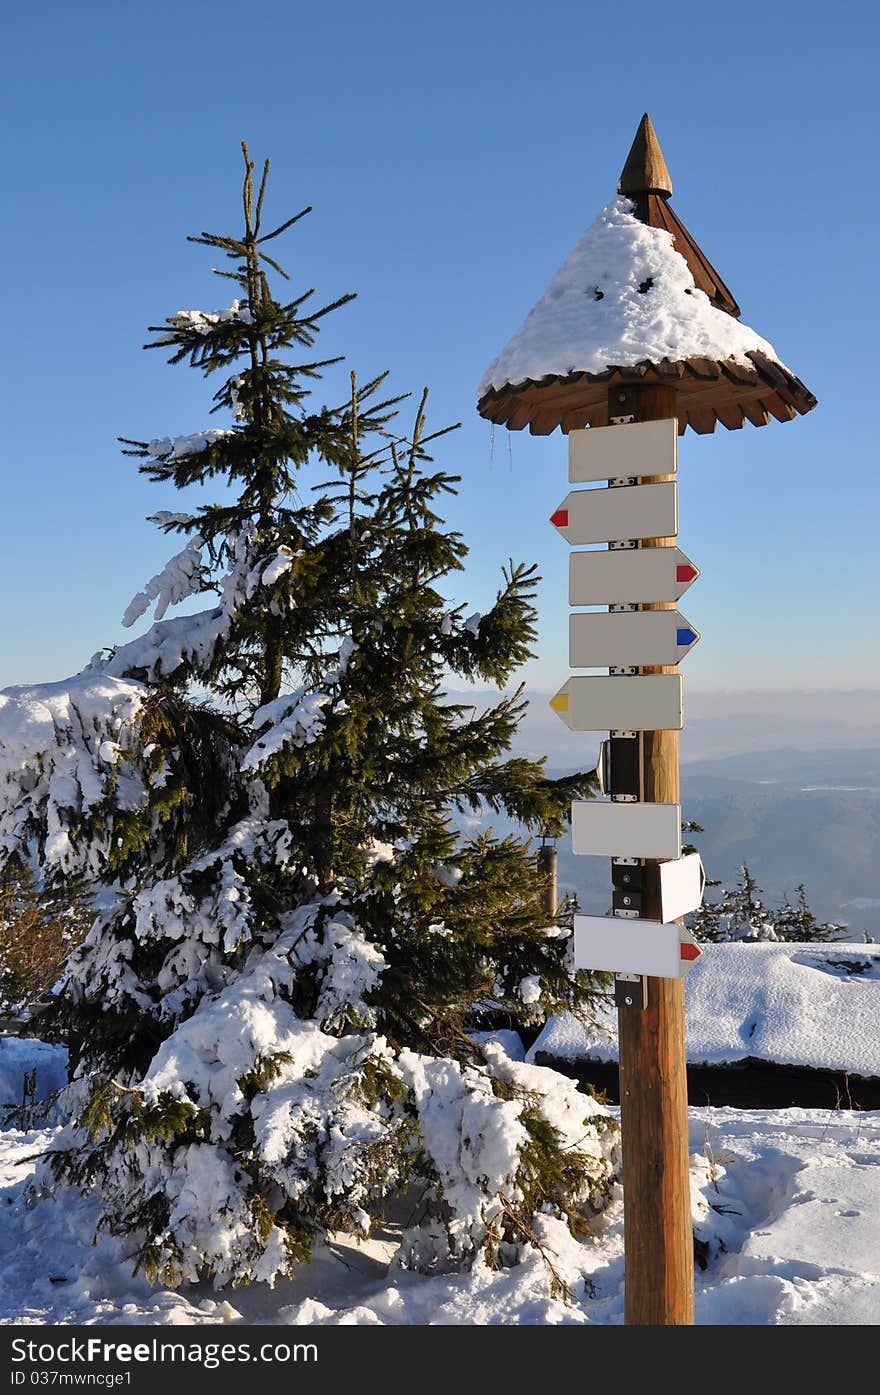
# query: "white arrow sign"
{"type": "Point", "coordinates": [638, 702]}
{"type": "Point", "coordinates": [615, 515]}
{"type": "Point", "coordinates": [601, 639]}
{"type": "Point", "coordinates": [612, 945]}
{"type": "Point", "coordinates": [629, 576]}
{"type": "Point", "coordinates": [619, 452]}
{"type": "Point", "coordinates": [613, 828]}
{"type": "Point", "coordinates": [681, 886]}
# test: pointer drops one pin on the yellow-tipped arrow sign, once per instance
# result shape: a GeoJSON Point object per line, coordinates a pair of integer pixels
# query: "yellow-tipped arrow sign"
{"type": "Point", "coordinates": [622, 702]}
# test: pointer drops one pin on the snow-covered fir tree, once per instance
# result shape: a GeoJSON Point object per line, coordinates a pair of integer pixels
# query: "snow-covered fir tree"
{"type": "Point", "coordinates": [272, 1016]}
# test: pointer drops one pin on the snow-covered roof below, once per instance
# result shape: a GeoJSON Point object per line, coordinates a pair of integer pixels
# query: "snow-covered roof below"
{"type": "Point", "coordinates": [812, 1005]}
{"type": "Point", "coordinates": [594, 315]}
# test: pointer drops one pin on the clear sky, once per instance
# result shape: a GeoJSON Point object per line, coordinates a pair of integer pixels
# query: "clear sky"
{"type": "Point", "coordinates": [453, 154]}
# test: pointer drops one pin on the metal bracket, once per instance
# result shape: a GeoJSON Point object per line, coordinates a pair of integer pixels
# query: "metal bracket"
{"type": "Point", "coordinates": [628, 878]}
{"type": "Point", "coordinates": [625, 915]}
{"type": "Point", "coordinates": [624, 669]}
{"type": "Point", "coordinates": [622, 546]}
{"type": "Point", "coordinates": [630, 991]}
{"type": "Point", "coordinates": [621, 607]}
{"type": "Point", "coordinates": [621, 480]}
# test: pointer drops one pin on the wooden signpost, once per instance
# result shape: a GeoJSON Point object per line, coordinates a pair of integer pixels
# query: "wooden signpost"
{"type": "Point", "coordinates": [634, 406]}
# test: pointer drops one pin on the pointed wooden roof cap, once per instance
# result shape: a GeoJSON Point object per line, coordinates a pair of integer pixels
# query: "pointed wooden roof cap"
{"type": "Point", "coordinates": [744, 382]}
{"type": "Point", "coordinates": [645, 171]}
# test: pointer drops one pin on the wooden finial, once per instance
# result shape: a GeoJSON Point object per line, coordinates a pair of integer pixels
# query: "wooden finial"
{"type": "Point", "coordinates": [645, 170]}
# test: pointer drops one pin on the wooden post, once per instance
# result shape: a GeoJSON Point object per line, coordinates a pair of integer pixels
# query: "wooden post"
{"type": "Point", "coordinates": [658, 1235]}
{"type": "Point", "coordinates": [548, 872]}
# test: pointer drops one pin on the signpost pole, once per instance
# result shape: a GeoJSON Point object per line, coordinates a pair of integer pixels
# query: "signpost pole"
{"type": "Point", "coordinates": [653, 1080]}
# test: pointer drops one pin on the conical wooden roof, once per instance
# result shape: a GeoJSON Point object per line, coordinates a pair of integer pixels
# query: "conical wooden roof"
{"type": "Point", "coordinates": [574, 346]}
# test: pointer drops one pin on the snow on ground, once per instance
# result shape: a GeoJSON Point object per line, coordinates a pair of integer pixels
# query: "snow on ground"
{"type": "Point", "coordinates": [794, 1004]}
{"type": "Point", "coordinates": [785, 1200]}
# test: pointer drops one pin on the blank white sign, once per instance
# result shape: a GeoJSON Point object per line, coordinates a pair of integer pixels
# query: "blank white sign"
{"type": "Point", "coordinates": [613, 828]}
{"type": "Point", "coordinates": [614, 452]}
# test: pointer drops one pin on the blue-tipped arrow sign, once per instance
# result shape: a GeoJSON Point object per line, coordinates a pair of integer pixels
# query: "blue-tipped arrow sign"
{"type": "Point", "coordinates": [624, 638]}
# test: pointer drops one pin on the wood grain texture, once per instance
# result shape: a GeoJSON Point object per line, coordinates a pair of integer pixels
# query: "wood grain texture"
{"type": "Point", "coordinates": [658, 1238]}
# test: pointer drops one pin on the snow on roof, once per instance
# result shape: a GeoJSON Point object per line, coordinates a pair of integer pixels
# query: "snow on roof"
{"type": "Point", "coordinates": [623, 295]}
{"type": "Point", "coordinates": [793, 1004]}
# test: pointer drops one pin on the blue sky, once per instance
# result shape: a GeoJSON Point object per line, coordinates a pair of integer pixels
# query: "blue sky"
{"type": "Point", "coordinates": [453, 156]}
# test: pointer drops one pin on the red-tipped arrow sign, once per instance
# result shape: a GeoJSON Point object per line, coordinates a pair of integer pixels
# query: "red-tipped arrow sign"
{"type": "Point", "coordinates": [628, 576]}
{"type": "Point", "coordinates": [610, 944]}
{"type": "Point", "coordinates": [615, 515]}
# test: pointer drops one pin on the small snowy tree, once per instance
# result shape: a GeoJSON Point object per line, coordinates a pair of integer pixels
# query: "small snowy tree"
{"type": "Point", "coordinates": [740, 914]}
{"type": "Point", "coordinates": [271, 1015]}
{"type": "Point", "coordinates": [795, 921]}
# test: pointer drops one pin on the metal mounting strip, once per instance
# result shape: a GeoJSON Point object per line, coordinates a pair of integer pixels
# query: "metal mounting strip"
{"type": "Point", "coordinates": [630, 991]}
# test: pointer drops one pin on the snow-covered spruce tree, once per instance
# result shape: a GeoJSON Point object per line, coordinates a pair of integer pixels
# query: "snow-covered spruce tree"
{"type": "Point", "coordinates": [271, 1014]}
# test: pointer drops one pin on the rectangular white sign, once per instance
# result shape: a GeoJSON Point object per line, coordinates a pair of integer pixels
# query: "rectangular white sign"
{"type": "Point", "coordinates": [612, 945]}
{"type": "Point", "coordinates": [613, 828]}
{"type": "Point", "coordinates": [616, 452]}
{"type": "Point", "coordinates": [629, 576]}
{"type": "Point", "coordinates": [615, 515]}
{"type": "Point", "coordinates": [637, 702]}
{"type": "Point", "coordinates": [681, 886]}
{"type": "Point", "coordinates": [603, 639]}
